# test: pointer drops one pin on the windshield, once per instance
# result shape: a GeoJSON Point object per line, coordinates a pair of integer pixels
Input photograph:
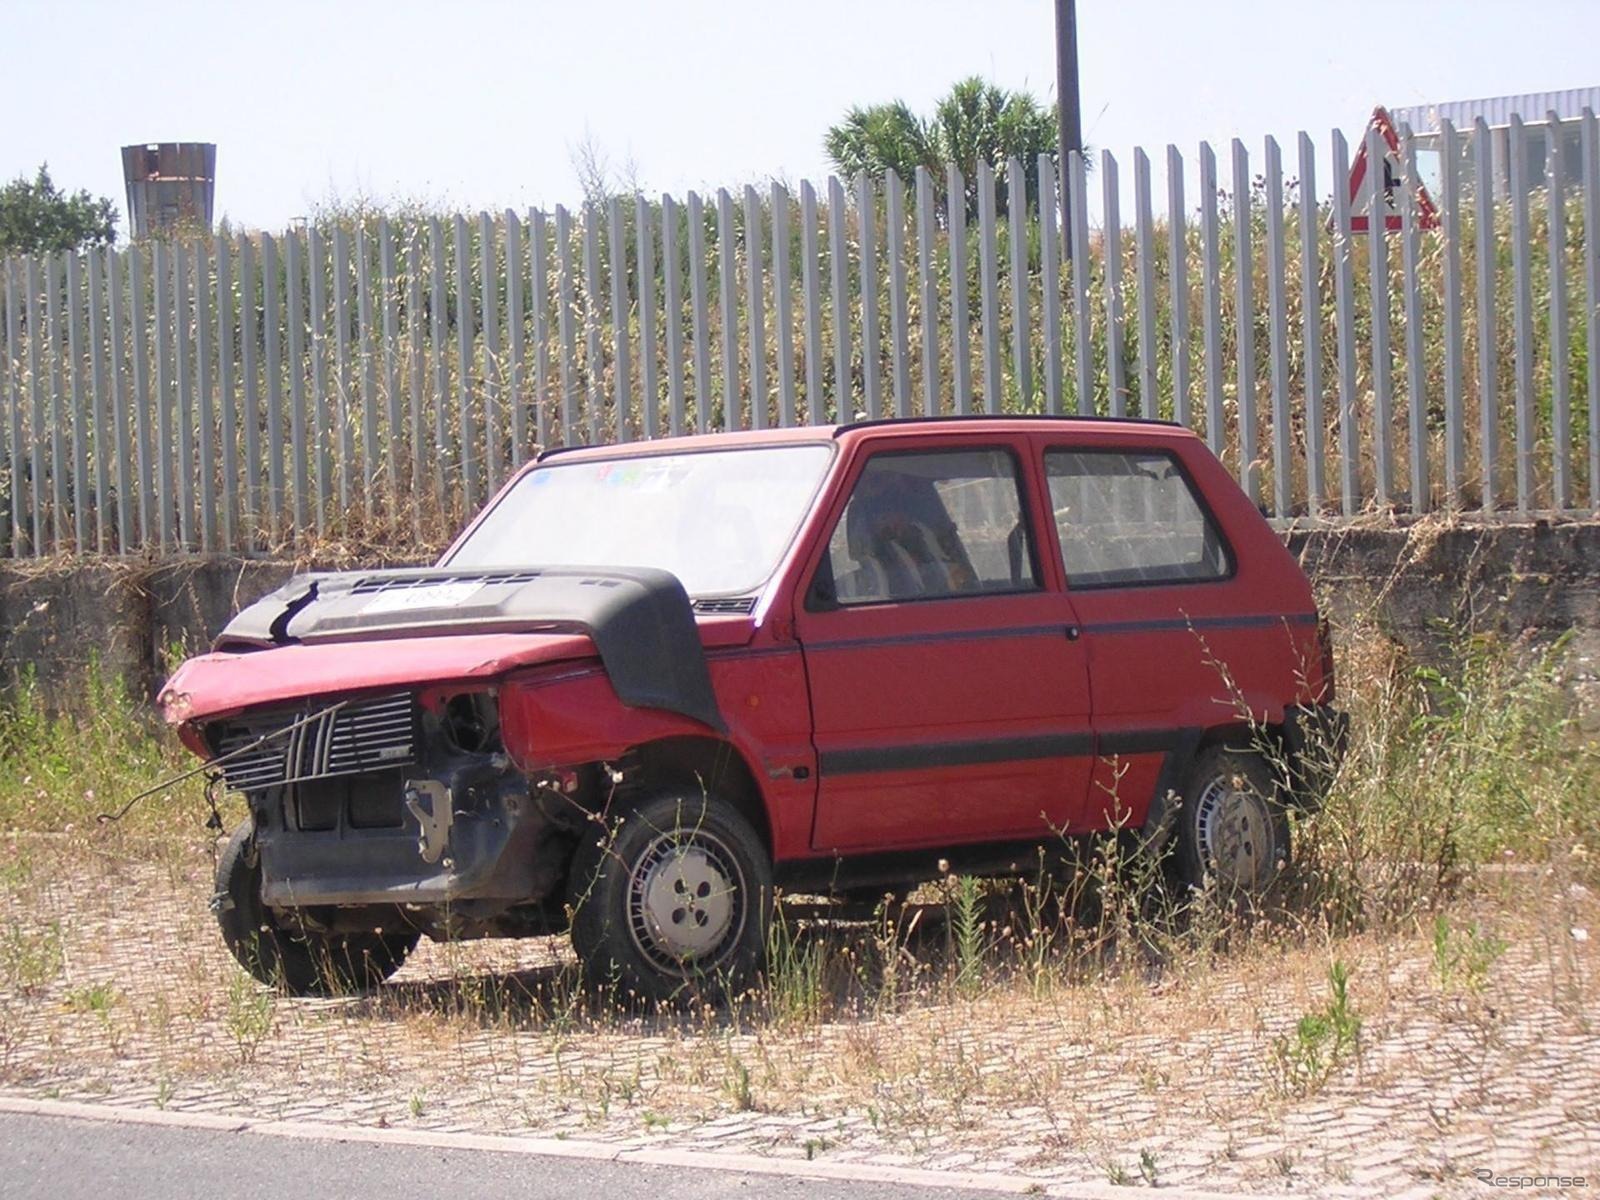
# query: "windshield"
{"type": "Point", "coordinates": [719, 520]}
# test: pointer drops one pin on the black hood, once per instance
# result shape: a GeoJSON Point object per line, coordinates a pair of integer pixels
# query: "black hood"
{"type": "Point", "coordinates": [639, 619]}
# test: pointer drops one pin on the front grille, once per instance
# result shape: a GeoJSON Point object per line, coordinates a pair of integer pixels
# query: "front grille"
{"type": "Point", "coordinates": [373, 584]}
{"type": "Point", "coordinates": [364, 735]}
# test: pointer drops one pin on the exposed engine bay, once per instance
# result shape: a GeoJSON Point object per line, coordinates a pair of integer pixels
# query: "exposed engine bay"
{"type": "Point", "coordinates": [403, 810]}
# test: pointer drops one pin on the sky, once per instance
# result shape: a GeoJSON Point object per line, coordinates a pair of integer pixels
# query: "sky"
{"type": "Point", "coordinates": [484, 103]}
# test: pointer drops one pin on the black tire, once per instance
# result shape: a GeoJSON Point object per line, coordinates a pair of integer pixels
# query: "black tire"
{"type": "Point", "coordinates": [672, 900]}
{"type": "Point", "coordinates": [301, 961]}
{"type": "Point", "coordinates": [1232, 827]}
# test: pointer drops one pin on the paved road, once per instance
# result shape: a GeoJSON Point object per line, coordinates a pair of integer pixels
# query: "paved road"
{"type": "Point", "coordinates": [67, 1159]}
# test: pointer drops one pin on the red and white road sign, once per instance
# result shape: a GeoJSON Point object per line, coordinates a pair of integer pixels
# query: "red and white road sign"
{"type": "Point", "coordinates": [1388, 181]}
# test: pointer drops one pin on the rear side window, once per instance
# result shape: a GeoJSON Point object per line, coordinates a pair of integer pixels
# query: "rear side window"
{"type": "Point", "coordinates": [925, 526]}
{"type": "Point", "coordinates": [1130, 517]}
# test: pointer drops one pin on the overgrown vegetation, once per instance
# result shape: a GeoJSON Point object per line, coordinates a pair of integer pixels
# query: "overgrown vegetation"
{"type": "Point", "coordinates": [893, 1018]}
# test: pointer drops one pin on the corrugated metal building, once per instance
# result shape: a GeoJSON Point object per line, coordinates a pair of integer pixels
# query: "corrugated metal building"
{"type": "Point", "coordinates": [1537, 109]}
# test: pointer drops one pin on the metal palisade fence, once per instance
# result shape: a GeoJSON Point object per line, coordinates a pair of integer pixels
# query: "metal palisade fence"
{"type": "Point", "coordinates": [372, 381]}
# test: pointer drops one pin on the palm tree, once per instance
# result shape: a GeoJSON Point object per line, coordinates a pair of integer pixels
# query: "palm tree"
{"type": "Point", "coordinates": [975, 121]}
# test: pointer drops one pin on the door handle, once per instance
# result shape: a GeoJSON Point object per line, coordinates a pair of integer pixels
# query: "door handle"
{"type": "Point", "coordinates": [1073, 633]}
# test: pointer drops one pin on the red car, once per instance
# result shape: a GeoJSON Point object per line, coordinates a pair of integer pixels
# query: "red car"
{"type": "Point", "coordinates": [652, 683]}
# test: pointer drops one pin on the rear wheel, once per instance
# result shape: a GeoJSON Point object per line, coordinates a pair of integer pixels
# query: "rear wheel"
{"type": "Point", "coordinates": [303, 961]}
{"type": "Point", "coordinates": [673, 900]}
{"type": "Point", "coordinates": [1232, 827]}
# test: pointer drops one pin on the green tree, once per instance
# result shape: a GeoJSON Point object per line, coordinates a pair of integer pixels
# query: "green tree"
{"type": "Point", "coordinates": [975, 121]}
{"type": "Point", "coordinates": [38, 217]}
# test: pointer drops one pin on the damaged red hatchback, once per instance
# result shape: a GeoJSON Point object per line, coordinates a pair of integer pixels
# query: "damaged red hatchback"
{"type": "Point", "coordinates": [652, 683]}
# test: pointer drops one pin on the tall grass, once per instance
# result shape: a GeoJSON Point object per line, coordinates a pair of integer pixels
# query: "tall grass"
{"type": "Point", "coordinates": [1449, 769]}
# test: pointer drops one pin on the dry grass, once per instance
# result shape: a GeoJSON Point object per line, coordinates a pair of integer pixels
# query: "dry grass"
{"type": "Point", "coordinates": [1096, 1032]}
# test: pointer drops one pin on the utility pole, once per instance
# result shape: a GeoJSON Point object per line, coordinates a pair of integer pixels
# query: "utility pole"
{"type": "Point", "coordinates": [1069, 117]}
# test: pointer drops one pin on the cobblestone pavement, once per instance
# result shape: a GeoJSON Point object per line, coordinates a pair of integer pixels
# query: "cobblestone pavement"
{"type": "Point", "coordinates": [115, 988]}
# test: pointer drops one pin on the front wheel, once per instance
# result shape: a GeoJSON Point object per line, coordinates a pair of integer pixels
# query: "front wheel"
{"type": "Point", "coordinates": [672, 900]}
{"type": "Point", "coordinates": [1232, 827]}
{"type": "Point", "coordinates": [302, 961]}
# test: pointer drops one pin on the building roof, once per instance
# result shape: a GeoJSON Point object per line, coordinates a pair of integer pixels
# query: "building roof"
{"type": "Point", "coordinates": [1532, 107]}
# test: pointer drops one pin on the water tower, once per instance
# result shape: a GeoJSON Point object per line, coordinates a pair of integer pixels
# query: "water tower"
{"type": "Point", "coordinates": [169, 183]}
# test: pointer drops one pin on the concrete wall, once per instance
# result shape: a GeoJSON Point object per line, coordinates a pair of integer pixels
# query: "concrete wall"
{"type": "Point", "coordinates": [1420, 587]}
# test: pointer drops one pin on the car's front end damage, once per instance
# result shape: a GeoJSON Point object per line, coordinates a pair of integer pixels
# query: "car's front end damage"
{"type": "Point", "coordinates": [360, 717]}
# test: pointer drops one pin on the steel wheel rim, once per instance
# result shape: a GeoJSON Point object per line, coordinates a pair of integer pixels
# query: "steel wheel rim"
{"type": "Point", "coordinates": [1233, 832]}
{"type": "Point", "coordinates": [686, 902]}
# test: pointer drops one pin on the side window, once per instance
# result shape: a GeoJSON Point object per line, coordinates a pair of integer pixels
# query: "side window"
{"type": "Point", "coordinates": [925, 525]}
{"type": "Point", "coordinates": [1126, 517]}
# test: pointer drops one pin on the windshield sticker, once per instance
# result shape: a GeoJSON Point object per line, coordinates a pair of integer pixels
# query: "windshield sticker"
{"type": "Point", "coordinates": [433, 595]}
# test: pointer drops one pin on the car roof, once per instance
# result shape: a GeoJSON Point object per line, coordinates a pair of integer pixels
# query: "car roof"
{"type": "Point", "coordinates": [876, 429]}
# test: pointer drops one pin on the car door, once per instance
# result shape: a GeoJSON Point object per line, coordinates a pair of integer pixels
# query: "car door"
{"type": "Point", "coordinates": [1148, 572]}
{"type": "Point", "coordinates": [950, 699]}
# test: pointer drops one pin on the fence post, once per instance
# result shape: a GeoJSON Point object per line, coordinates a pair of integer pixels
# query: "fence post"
{"type": "Point", "coordinates": [1278, 330]}
{"type": "Point", "coordinates": [1590, 133]}
{"type": "Point", "coordinates": [644, 241]}
{"type": "Point", "coordinates": [1488, 366]}
{"type": "Point", "coordinates": [1111, 193]}
{"type": "Point", "coordinates": [567, 323]}
{"type": "Point", "coordinates": [621, 338]}
{"type": "Point", "coordinates": [867, 223]}
{"type": "Point", "coordinates": [1311, 326]}
{"type": "Point", "coordinates": [439, 348]}
{"type": "Point", "coordinates": [1021, 316]}
{"type": "Point", "coordinates": [206, 414]}
{"type": "Point", "coordinates": [98, 399]}
{"type": "Point", "coordinates": [1050, 283]}
{"type": "Point", "coordinates": [300, 483]}
{"type": "Point", "coordinates": [1416, 372]}
{"type": "Point", "coordinates": [516, 338]}
{"type": "Point", "coordinates": [698, 263]}
{"type": "Point", "coordinates": [1454, 438]}
{"type": "Point", "coordinates": [465, 391]}
{"type": "Point", "coordinates": [960, 322]}
{"type": "Point", "coordinates": [727, 267]}
{"type": "Point", "coordinates": [1211, 288]}
{"type": "Point", "coordinates": [414, 335]}
{"type": "Point", "coordinates": [13, 369]}
{"type": "Point", "coordinates": [838, 271]}
{"type": "Point", "coordinates": [1522, 314]}
{"type": "Point", "coordinates": [141, 391]}
{"type": "Point", "coordinates": [1382, 381]}
{"type": "Point", "coordinates": [343, 382]}
{"type": "Point", "coordinates": [541, 327]}
{"type": "Point", "coordinates": [1556, 240]}
{"type": "Point", "coordinates": [1178, 268]}
{"type": "Point", "coordinates": [272, 329]}
{"type": "Point", "coordinates": [928, 279]}
{"type": "Point", "coordinates": [229, 417]}
{"type": "Point", "coordinates": [755, 312]}
{"type": "Point", "coordinates": [816, 402]}
{"type": "Point", "coordinates": [1344, 289]}
{"type": "Point", "coordinates": [391, 360]}
{"type": "Point", "coordinates": [894, 249]}
{"type": "Point", "coordinates": [783, 305]}
{"type": "Point", "coordinates": [988, 289]}
{"type": "Point", "coordinates": [1144, 262]}
{"type": "Point", "coordinates": [321, 402]}
{"type": "Point", "coordinates": [55, 300]}
{"type": "Point", "coordinates": [489, 319]}
{"type": "Point", "coordinates": [674, 285]}
{"type": "Point", "coordinates": [80, 415]}
{"type": "Point", "coordinates": [162, 271]}
{"type": "Point", "coordinates": [1082, 340]}
{"type": "Point", "coordinates": [1244, 290]}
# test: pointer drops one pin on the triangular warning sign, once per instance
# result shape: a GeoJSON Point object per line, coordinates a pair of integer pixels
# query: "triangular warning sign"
{"type": "Point", "coordinates": [1362, 182]}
